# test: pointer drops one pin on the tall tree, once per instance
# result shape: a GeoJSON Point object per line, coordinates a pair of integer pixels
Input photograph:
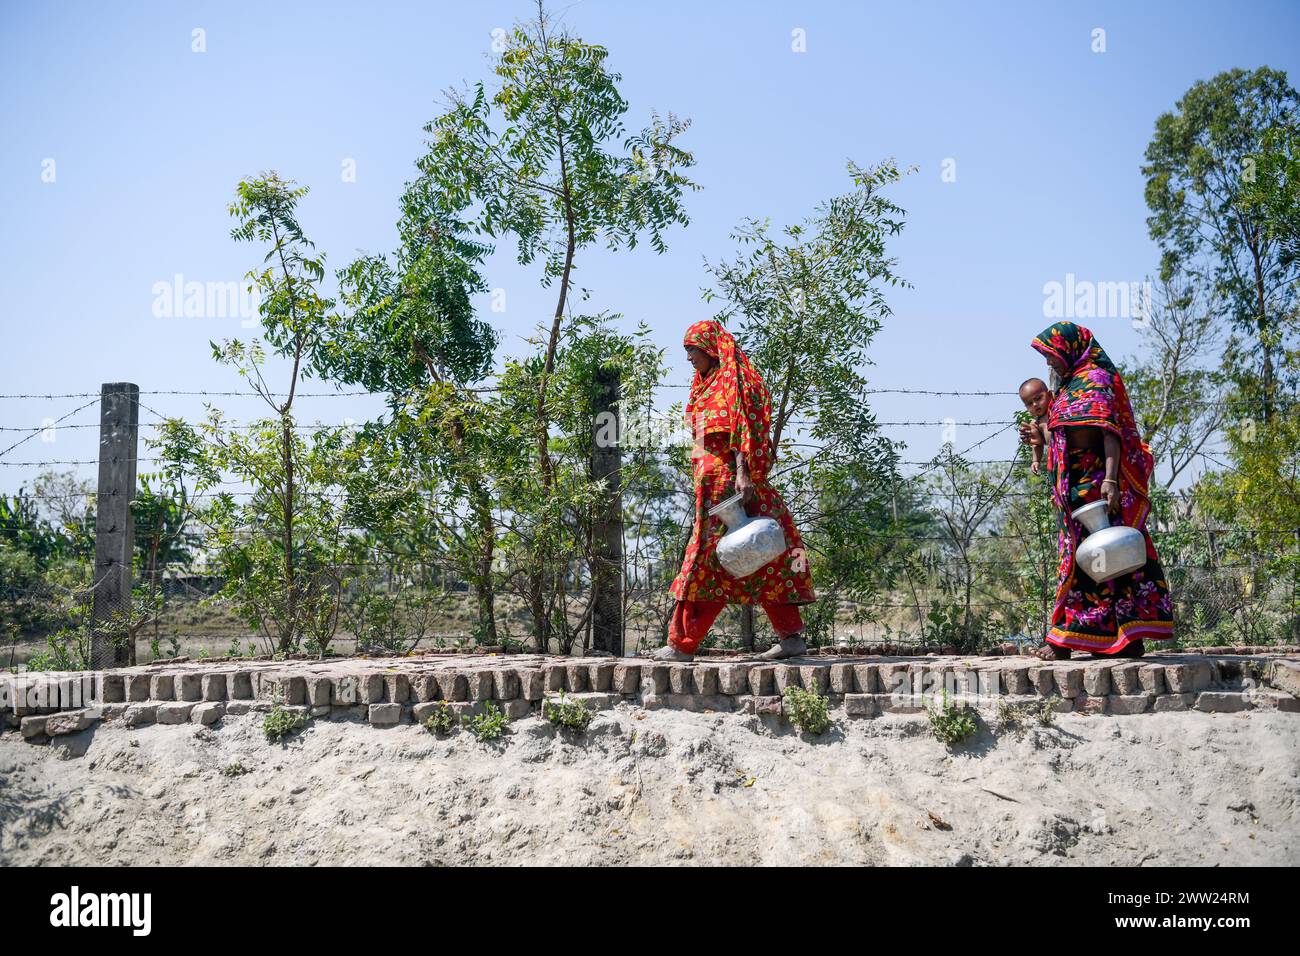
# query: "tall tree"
{"type": "Point", "coordinates": [409, 329]}
{"type": "Point", "coordinates": [1200, 165]}
{"type": "Point", "coordinates": [806, 306]}
{"type": "Point", "coordinates": [276, 547]}
{"type": "Point", "coordinates": [546, 157]}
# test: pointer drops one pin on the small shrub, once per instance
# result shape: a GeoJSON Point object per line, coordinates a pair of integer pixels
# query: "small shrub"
{"type": "Point", "coordinates": [1016, 716]}
{"type": "Point", "coordinates": [807, 710]}
{"type": "Point", "coordinates": [951, 723]}
{"type": "Point", "coordinates": [441, 721]}
{"type": "Point", "coordinates": [1045, 714]}
{"type": "Point", "coordinates": [488, 725]}
{"type": "Point", "coordinates": [280, 723]}
{"type": "Point", "coordinates": [566, 712]}
{"type": "Point", "coordinates": [155, 647]}
{"type": "Point", "coordinates": [1011, 716]}
{"type": "Point", "coordinates": [235, 769]}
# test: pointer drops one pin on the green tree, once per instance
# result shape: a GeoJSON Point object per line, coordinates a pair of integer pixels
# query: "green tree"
{"type": "Point", "coordinates": [409, 330]}
{"type": "Point", "coordinates": [30, 546]}
{"type": "Point", "coordinates": [278, 543]}
{"type": "Point", "coordinates": [966, 501]}
{"type": "Point", "coordinates": [68, 503]}
{"type": "Point", "coordinates": [545, 157]}
{"type": "Point", "coordinates": [1200, 167]}
{"type": "Point", "coordinates": [806, 307]}
{"type": "Point", "coordinates": [1274, 189]}
{"type": "Point", "coordinates": [1259, 493]}
{"type": "Point", "coordinates": [548, 554]}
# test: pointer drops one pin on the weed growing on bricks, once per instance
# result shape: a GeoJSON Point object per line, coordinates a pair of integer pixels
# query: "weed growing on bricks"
{"type": "Point", "coordinates": [807, 710]}
{"type": "Point", "coordinates": [950, 722]}
{"type": "Point", "coordinates": [567, 712]}
{"type": "Point", "coordinates": [280, 723]}
{"type": "Point", "coordinates": [488, 725]}
{"type": "Point", "coordinates": [441, 721]}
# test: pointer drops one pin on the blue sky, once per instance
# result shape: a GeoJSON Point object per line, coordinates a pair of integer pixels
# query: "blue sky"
{"type": "Point", "coordinates": [149, 138]}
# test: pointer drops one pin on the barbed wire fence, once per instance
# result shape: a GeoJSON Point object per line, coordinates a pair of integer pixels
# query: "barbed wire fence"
{"type": "Point", "coordinates": [996, 573]}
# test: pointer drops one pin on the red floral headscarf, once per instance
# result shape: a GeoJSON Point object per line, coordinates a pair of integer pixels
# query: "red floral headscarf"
{"type": "Point", "coordinates": [731, 399]}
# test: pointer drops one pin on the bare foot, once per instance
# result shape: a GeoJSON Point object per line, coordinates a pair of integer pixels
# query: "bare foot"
{"type": "Point", "coordinates": [670, 653]}
{"type": "Point", "coordinates": [1050, 652]}
{"type": "Point", "coordinates": [791, 646]}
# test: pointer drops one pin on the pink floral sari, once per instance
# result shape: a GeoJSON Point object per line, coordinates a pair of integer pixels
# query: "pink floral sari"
{"type": "Point", "coordinates": [1101, 618]}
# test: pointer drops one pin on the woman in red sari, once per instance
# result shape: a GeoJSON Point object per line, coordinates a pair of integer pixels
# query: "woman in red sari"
{"type": "Point", "coordinates": [1095, 452]}
{"type": "Point", "coordinates": [730, 414]}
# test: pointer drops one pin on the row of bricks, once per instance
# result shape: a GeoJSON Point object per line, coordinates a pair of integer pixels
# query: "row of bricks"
{"type": "Point", "coordinates": [446, 684]}
{"type": "Point", "coordinates": [1094, 679]}
{"type": "Point", "coordinates": [530, 683]}
{"type": "Point", "coordinates": [871, 705]}
{"type": "Point", "coordinates": [744, 678]}
{"type": "Point", "coordinates": [38, 728]}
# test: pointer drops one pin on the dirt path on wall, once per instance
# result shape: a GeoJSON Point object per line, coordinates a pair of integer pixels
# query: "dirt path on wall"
{"type": "Point", "coordinates": [663, 787]}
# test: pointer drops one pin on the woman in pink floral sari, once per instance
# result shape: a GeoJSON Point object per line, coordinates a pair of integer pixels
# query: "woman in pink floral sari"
{"type": "Point", "coordinates": [1094, 452]}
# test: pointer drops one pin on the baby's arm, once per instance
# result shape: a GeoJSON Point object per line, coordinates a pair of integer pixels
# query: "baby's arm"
{"type": "Point", "coordinates": [1036, 467]}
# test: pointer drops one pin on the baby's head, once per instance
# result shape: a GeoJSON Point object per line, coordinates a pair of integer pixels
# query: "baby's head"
{"type": "Point", "coordinates": [1036, 396]}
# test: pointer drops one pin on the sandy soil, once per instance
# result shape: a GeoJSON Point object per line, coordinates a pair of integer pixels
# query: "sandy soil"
{"type": "Point", "coordinates": [663, 787]}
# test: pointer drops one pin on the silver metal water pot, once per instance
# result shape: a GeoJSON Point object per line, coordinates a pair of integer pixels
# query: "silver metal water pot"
{"type": "Point", "coordinates": [1109, 550]}
{"type": "Point", "coordinates": [749, 542]}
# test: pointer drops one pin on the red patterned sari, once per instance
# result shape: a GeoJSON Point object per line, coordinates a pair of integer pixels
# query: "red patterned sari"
{"type": "Point", "coordinates": [1101, 618]}
{"type": "Point", "coordinates": [731, 410]}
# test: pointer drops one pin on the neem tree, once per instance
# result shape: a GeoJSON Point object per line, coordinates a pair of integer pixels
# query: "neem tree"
{"type": "Point", "coordinates": [806, 306]}
{"type": "Point", "coordinates": [545, 157]}
{"type": "Point", "coordinates": [409, 329]}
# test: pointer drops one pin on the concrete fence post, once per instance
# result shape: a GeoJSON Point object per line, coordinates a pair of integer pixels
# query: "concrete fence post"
{"type": "Point", "coordinates": [119, 419]}
{"type": "Point", "coordinates": [607, 524]}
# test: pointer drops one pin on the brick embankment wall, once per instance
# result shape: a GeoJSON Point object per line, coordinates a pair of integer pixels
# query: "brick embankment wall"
{"type": "Point", "coordinates": [390, 691]}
